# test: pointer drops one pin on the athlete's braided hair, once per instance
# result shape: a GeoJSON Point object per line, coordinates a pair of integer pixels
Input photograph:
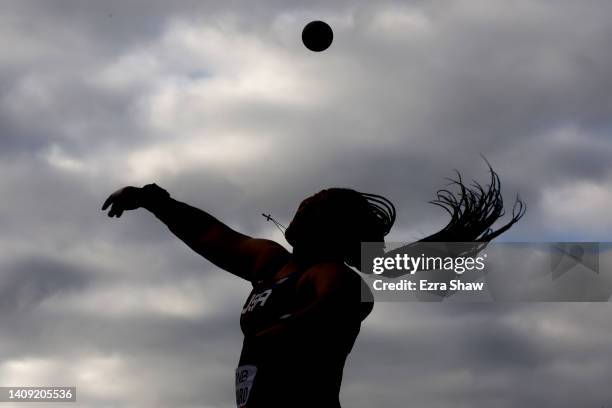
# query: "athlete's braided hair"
{"type": "Point", "coordinates": [356, 217]}
{"type": "Point", "coordinates": [474, 211]}
{"type": "Point", "coordinates": [382, 209]}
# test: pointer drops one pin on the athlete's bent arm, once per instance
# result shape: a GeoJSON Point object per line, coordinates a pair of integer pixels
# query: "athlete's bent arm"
{"type": "Point", "coordinates": [230, 250]}
{"type": "Point", "coordinates": [335, 299]}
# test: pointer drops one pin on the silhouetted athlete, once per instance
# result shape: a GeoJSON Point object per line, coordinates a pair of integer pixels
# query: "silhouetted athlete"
{"type": "Point", "coordinates": [305, 310]}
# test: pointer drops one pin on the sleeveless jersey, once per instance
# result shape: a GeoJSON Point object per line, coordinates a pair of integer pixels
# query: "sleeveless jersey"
{"type": "Point", "coordinates": [300, 367]}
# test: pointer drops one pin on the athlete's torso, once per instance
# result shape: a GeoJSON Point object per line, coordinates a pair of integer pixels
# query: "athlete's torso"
{"type": "Point", "coordinates": [303, 365]}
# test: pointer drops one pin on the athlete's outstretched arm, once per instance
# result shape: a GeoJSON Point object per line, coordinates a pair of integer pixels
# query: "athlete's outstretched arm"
{"type": "Point", "coordinates": [237, 253]}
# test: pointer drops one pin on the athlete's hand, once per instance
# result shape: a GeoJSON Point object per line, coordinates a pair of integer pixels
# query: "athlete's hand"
{"type": "Point", "coordinates": [125, 199]}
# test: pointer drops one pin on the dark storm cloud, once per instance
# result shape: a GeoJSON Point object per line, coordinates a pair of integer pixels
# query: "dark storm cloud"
{"type": "Point", "coordinates": [26, 283]}
{"type": "Point", "coordinates": [220, 103]}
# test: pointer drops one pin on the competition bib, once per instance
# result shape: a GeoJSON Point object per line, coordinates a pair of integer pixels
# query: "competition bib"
{"type": "Point", "coordinates": [245, 375]}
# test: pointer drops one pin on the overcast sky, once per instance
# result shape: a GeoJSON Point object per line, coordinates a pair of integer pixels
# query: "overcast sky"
{"type": "Point", "coordinates": [222, 105]}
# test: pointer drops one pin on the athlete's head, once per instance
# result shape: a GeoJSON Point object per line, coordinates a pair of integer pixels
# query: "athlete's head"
{"type": "Point", "coordinates": [333, 223]}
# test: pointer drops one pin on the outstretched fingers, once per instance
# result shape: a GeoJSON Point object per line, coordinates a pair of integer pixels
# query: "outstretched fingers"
{"type": "Point", "coordinates": [108, 202]}
{"type": "Point", "coordinates": [116, 208]}
{"type": "Point", "coordinates": [116, 211]}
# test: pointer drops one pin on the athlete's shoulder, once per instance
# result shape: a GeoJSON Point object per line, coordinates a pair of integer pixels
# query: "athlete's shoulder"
{"type": "Point", "coordinates": [333, 276]}
{"type": "Point", "coordinates": [271, 258]}
{"type": "Point", "coordinates": [338, 281]}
